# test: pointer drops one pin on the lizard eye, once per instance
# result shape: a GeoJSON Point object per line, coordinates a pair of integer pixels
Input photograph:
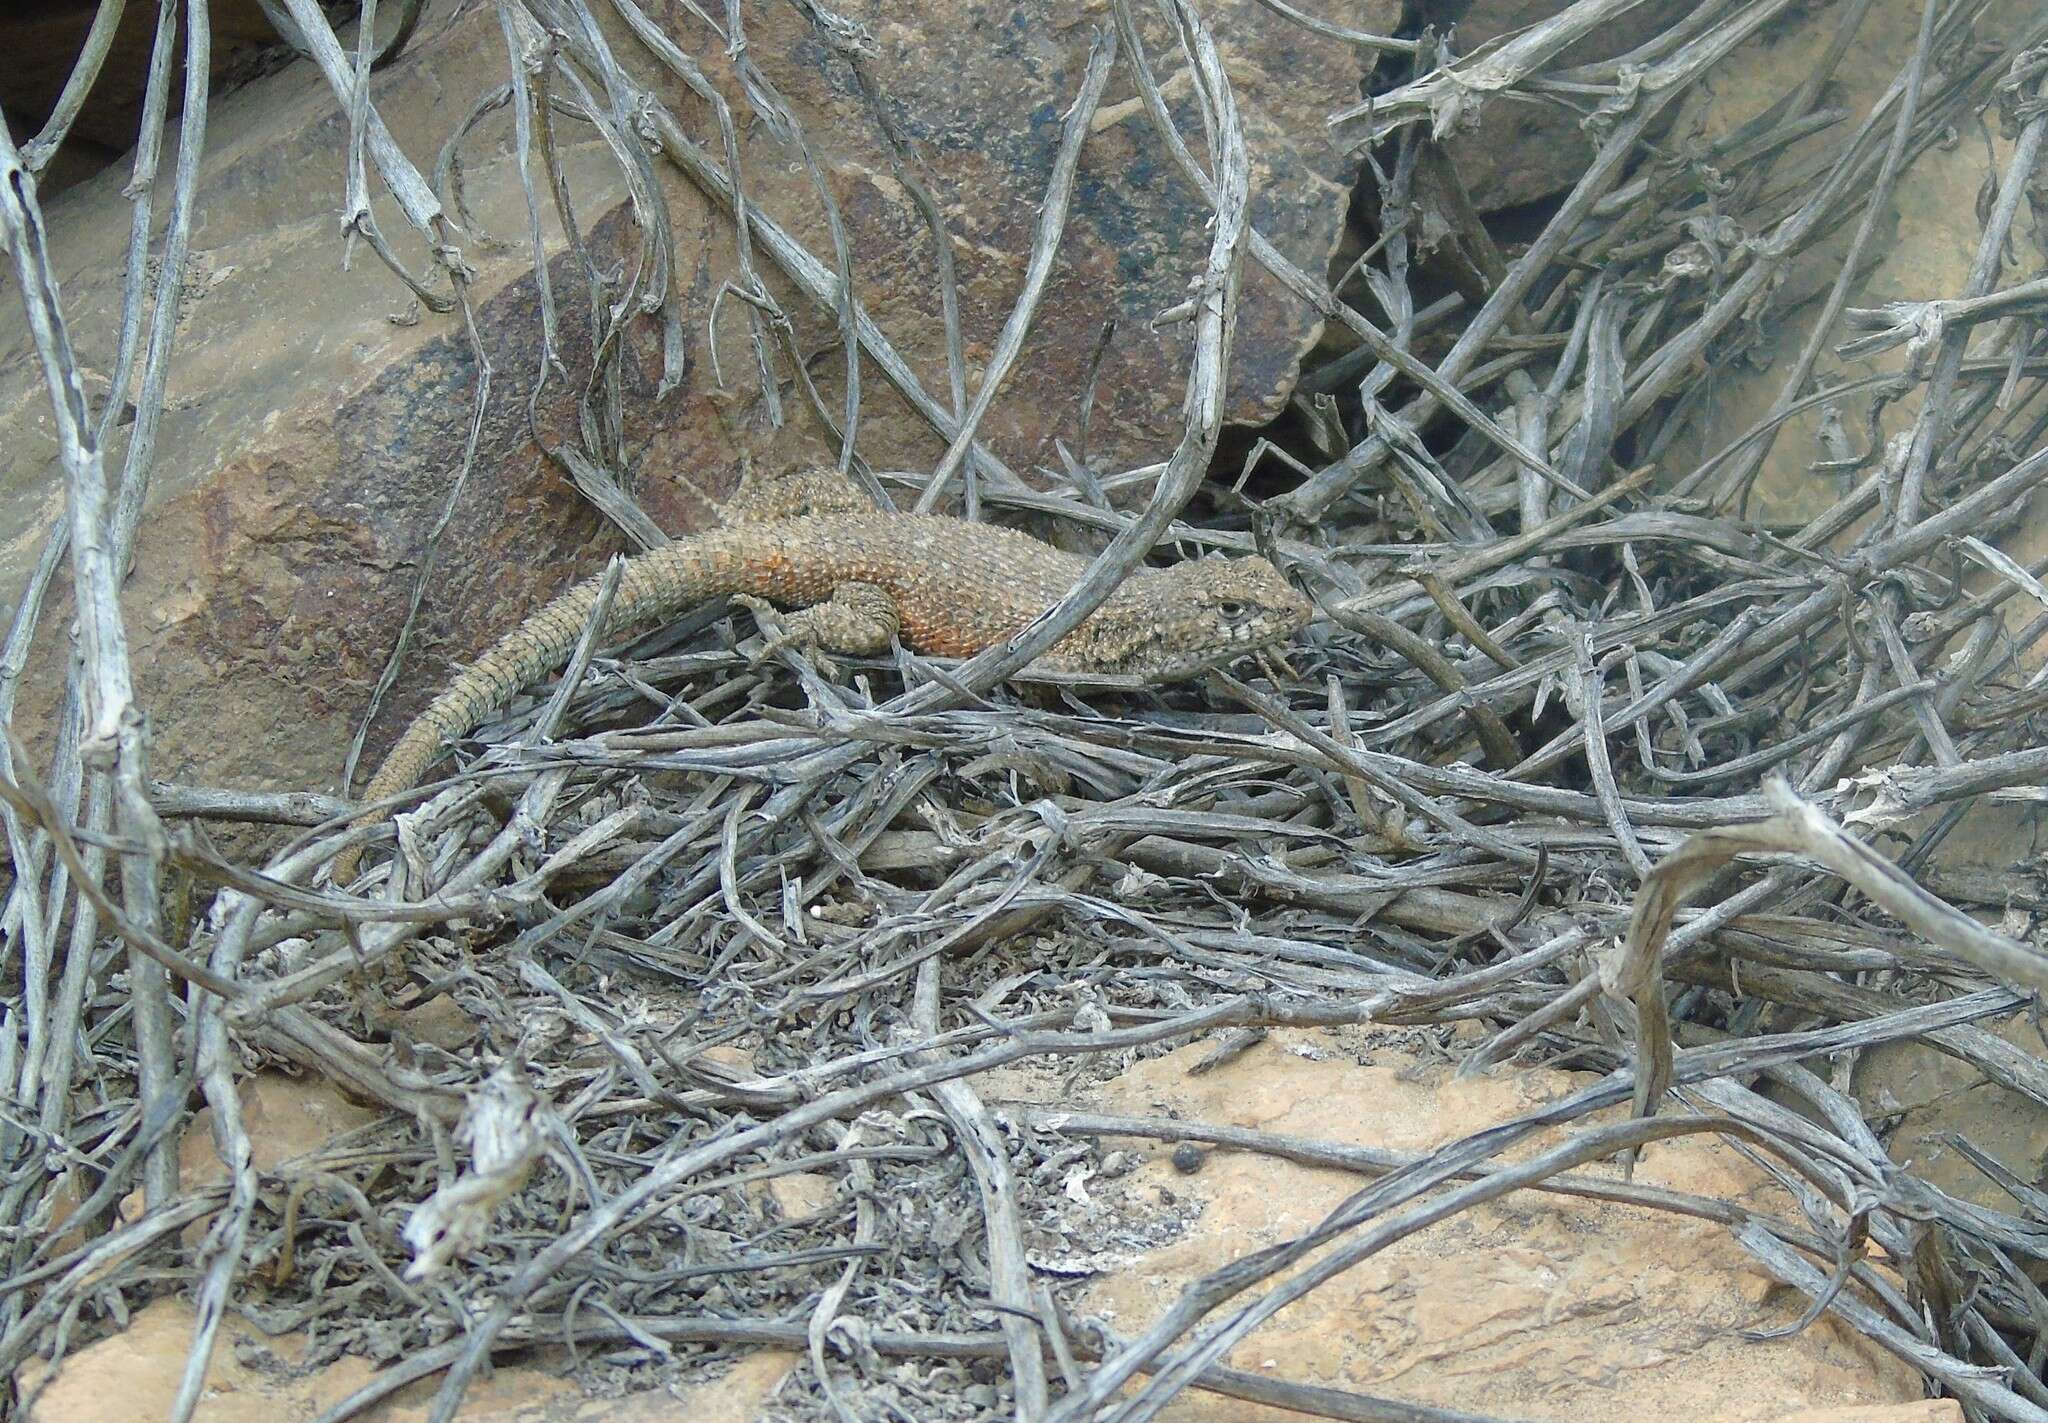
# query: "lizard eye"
{"type": "Point", "coordinates": [1231, 609]}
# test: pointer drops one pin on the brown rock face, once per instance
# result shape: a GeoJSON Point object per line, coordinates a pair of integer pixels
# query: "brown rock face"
{"type": "Point", "coordinates": [315, 423]}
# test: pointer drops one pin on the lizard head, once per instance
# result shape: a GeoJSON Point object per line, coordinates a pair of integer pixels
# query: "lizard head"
{"type": "Point", "coordinates": [1169, 624]}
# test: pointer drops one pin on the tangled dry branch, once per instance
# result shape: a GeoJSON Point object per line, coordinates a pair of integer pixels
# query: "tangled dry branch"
{"type": "Point", "coordinates": [1549, 705]}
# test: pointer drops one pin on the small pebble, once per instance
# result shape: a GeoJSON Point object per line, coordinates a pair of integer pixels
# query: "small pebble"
{"type": "Point", "coordinates": [1188, 1158]}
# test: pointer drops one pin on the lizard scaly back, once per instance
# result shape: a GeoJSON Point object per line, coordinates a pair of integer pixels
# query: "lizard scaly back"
{"type": "Point", "coordinates": [947, 586]}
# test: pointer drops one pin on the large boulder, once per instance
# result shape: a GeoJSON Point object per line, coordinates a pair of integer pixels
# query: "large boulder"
{"type": "Point", "coordinates": [317, 417]}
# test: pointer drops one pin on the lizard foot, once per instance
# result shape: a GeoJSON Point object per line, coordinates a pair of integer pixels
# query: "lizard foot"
{"type": "Point", "coordinates": [858, 620]}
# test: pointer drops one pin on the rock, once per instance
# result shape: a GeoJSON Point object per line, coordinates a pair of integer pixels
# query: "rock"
{"type": "Point", "coordinates": [255, 1379]}
{"type": "Point", "coordinates": [1923, 250]}
{"type": "Point", "coordinates": [439, 1022]}
{"type": "Point", "coordinates": [1927, 1098]}
{"type": "Point", "coordinates": [1927, 1410]}
{"type": "Point", "coordinates": [1524, 151]}
{"type": "Point", "coordinates": [42, 44]}
{"type": "Point", "coordinates": [1539, 1306]}
{"type": "Point", "coordinates": [803, 1194]}
{"type": "Point", "coordinates": [286, 1117]}
{"type": "Point", "coordinates": [315, 423]}
{"type": "Point", "coordinates": [1138, 231]}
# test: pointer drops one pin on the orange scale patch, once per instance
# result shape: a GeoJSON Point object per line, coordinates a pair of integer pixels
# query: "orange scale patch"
{"type": "Point", "coordinates": [936, 636]}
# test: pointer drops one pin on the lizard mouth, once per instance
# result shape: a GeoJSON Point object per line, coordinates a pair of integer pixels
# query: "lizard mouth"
{"type": "Point", "coordinates": [1173, 625]}
{"type": "Point", "coordinates": [1264, 639]}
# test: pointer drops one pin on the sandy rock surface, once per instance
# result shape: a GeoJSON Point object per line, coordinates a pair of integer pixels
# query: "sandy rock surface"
{"type": "Point", "coordinates": [1541, 1307]}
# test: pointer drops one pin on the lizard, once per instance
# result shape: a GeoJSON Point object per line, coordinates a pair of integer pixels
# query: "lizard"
{"type": "Point", "coordinates": [860, 576]}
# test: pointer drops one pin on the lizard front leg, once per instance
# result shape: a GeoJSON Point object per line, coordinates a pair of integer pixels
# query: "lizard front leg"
{"type": "Point", "coordinates": [858, 620]}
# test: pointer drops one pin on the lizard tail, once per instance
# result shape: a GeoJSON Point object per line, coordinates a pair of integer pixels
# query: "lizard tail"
{"type": "Point", "coordinates": [534, 647]}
